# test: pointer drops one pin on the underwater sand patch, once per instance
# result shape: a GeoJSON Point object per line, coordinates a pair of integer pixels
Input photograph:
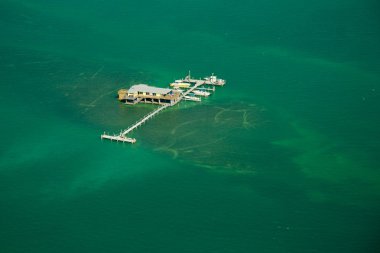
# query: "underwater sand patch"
{"type": "Point", "coordinates": [320, 158]}
{"type": "Point", "coordinates": [214, 136]}
{"type": "Point", "coordinates": [89, 92]}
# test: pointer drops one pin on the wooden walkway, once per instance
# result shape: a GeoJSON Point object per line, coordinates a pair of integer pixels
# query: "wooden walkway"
{"type": "Point", "coordinates": [144, 119]}
{"type": "Point", "coordinates": [117, 138]}
{"type": "Point", "coordinates": [122, 137]}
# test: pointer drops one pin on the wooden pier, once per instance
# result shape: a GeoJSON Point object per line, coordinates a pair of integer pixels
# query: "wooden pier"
{"type": "Point", "coordinates": [122, 136]}
{"type": "Point", "coordinates": [117, 138]}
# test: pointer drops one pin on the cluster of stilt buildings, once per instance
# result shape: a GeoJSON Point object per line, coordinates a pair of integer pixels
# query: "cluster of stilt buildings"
{"type": "Point", "coordinates": [181, 89]}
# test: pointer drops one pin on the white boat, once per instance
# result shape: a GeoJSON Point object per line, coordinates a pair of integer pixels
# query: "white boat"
{"type": "Point", "coordinates": [201, 93]}
{"type": "Point", "coordinates": [196, 99]}
{"type": "Point", "coordinates": [206, 89]}
{"type": "Point", "coordinates": [187, 79]}
{"type": "Point", "coordinates": [214, 80]}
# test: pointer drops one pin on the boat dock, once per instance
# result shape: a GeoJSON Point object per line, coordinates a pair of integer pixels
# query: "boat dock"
{"type": "Point", "coordinates": [183, 96]}
{"type": "Point", "coordinates": [117, 138]}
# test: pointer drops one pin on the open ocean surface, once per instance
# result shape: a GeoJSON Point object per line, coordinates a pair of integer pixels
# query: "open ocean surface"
{"type": "Point", "coordinates": [284, 158]}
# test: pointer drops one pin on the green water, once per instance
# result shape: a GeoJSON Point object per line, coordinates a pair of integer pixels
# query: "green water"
{"type": "Point", "coordinates": [284, 158]}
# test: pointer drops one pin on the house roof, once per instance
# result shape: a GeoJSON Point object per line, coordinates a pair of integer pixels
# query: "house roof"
{"type": "Point", "coordinates": [147, 88]}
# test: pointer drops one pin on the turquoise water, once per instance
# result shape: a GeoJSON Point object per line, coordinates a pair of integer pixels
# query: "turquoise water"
{"type": "Point", "coordinates": [284, 158]}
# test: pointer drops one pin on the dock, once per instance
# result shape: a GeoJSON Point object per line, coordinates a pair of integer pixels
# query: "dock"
{"type": "Point", "coordinates": [122, 137]}
{"type": "Point", "coordinates": [117, 138]}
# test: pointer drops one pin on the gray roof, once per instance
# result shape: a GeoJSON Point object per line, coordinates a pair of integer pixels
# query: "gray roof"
{"type": "Point", "coordinates": [146, 88]}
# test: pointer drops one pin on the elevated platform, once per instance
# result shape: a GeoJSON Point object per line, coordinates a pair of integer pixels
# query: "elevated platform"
{"type": "Point", "coordinates": [117, 138]}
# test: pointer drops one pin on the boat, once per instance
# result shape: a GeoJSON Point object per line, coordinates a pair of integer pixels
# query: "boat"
{"type": "Point", "coordinates": [192, 98]}
{"type": "Point", "coordinates": [206, 89]}
{"type": "Point", "coordinates": [186, 80]}
{"type": "Point", "coordinates": [214, 80]}
{"type": "Point", "coordinates": [180, 85]}
{"type": "Point", "coordinates": [201, 93]}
